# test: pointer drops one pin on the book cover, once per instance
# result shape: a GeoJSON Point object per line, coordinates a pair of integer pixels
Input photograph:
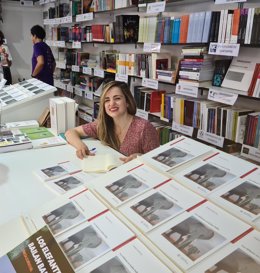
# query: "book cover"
{"type": "Point", "coordinates": [158, 205]}
{"type": "Point", "coordinates": [196, 234]}
{"type": "Point", "coordinates": [175, 153]}
{"type": "Point", "coordinates": [129, 258]}
{"type": "Point", "coordinates": [213, 172]}
{"type": "Point", "coordinates": [39, 253]}
{"type": "Point", "coordinates": [127, 181]}
{"type": "Point", "coordinates": [241, 198]}
{"type": "Point", "coordinates": [242, 255]}
{"type": "Point", "coordinates": [56, 171]}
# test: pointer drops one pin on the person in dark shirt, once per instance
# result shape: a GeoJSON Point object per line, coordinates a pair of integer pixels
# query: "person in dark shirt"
{"type": "Point", "coordinates": [43, 62]}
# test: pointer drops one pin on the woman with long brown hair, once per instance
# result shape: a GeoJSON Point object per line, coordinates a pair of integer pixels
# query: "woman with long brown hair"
{"type": "Point", "coordinates": [116, 125]}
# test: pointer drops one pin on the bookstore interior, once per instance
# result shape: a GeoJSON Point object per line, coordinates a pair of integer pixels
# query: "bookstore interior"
{"type": "Point", "coordinates": [192, 205]}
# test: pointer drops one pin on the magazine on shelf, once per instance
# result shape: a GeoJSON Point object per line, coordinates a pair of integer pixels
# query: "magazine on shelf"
{"type": "Point", "coordinates": [56, 171]}
{"type": "Point", "coordinates": [158, 205]}
{"type": "Point", "coordinates": [70, 182]}
{"type": "Point", "coordinates": [197, 234]}
{"type": "Point", "coordinates": [242, 255]}
{"type": "Point", "coordinates": [175, 153]}
{"type": "Point", "coordinates": [213, 172]}
{"type": "Point", "coordinates": [39, 253]}
{"type": "Point", "coordinates": [91, 240]}
{"type": "Point", "coordinates": [241, 198]}
{"type": "Point", "coordinates": [66, 212]}
{"type": "Point", "coordinates": [128, 181]}
{"type": "Point", "coordinates": [100, 163]}
{"type": "Point", "coordinates": [129, 258]}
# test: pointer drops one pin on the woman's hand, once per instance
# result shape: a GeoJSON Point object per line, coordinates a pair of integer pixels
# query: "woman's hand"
{"type": "Point", "coordinates": [129, 158]}
{"type": "Point", "coordinates": [82, 151]}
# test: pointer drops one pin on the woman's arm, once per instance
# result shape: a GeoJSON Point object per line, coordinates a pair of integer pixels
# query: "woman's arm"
{"type": "Point", "coordinates": [73, 137]}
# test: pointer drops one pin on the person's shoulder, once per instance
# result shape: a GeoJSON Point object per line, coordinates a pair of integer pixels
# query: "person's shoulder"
{"type": "Point", "coordinates": [138, 121]}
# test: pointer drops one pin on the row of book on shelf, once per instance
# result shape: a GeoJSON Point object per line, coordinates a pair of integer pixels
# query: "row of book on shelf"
{"type": "Point", "coordinates": [198, 206]}
{"type": "Point", "coordinates": [225, 26]}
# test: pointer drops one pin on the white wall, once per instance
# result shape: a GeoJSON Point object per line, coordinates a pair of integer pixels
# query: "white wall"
{"type": "Point", "coordinates": [18, 21]}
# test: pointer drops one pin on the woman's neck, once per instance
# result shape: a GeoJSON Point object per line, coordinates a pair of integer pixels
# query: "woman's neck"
{"type": "Point", "coordinates": [122, 125]}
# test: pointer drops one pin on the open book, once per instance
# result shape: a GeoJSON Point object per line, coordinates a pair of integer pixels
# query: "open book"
{"type": "Point", "coordinates": [100, 163]}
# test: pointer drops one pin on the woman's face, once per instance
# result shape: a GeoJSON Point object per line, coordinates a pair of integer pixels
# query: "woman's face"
{"type": "Point", "coordinates": [115, 102]}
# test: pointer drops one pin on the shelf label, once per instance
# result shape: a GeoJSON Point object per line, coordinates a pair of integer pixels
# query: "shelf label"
{"type": "Point", "coordinates": [89, 95]}
{"type": "Point", "coordinates": [152, 47]}
{"type": "Point", "coordinates": [187, 90]}
{"type": "Point", "coordinates": [70, 88]}
{"type": "Point", "coordinates": [223, 97]}
{"type": "Point", "coordinates": [99, 72]}
{"type": "Point", "coordinates": [59, 43]}
{"type": "Point", "coordinates": [60, 84]}
{"type": "Point", "coordinates": [211, 138]}
{"type": "Point", "coordinates": [84, 17]}
{"type": "Point", "coordinates": [142, 114]}
{"type": "Point", "coordinates": [250, 152]}
{"type": "Point", "coordinates": [41, 2]}
{"type": "Point", "coordinates": [78, 92]}
{"type": "Point", "coordinates": [61, 65]}
{"type": "Point", "coordinates": [150, 83]}
{"type": "Point", "coordinates": [121, 77]}
{"type": "Point", "coordinates": [156, 7]}
{"type": "Point", "coordinates": [87, 70]}
{"type": "Point", "coordinates": [224, 49]}
{"type": "Point", "coordinates": [228, 1]}
{"type": "Point", "coordinates": [75, 68]}
{"type": "Point", "coordinates": [186, 130]}
{"type": "Point", "coordinates": [76, 44]}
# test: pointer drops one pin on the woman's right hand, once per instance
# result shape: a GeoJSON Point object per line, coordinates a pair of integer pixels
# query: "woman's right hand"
{"type": "Point", "coordinates": [83, 151]}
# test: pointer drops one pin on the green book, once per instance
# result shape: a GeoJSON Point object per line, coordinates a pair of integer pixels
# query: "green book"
{"type": "Point", "coordinates": [37, 133]}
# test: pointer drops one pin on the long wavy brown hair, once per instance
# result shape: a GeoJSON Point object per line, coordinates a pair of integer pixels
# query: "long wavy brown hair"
{"type": "Point", "coordinates": [106, 127]}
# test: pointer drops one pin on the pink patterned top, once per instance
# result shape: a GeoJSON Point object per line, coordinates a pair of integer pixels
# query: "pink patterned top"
{"type": "Point", "coordinates": [141, 136]}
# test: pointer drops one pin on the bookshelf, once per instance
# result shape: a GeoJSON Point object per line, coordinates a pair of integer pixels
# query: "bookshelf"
{"type": "Point", "coordinates": [199, 95]}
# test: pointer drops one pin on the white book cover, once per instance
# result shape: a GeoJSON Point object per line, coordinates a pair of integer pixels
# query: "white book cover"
{"type": "Point", "coordinates": [22, 124]}
{"type": "Point", "coordinates": [158, 205]}
{"type": "Point", "coordinates": [66, 212]}
{"type": "Point", "coordinates": [70, 112]}
{"type": "Point", "coordinates": [70, 182]}
{"type": "Point", "coordinates": [89, 241]}
{"type": "Point", "coordinates": [213, 172]}
{"type": "Point", "coordinates": [224, 27]}
{"type": "Point", "coordinates": [241, 70]}
{"type": "Point", "coordinates": [127, 182]}
{"type": "Point", "coordinates": [220, 29]}
{"type": "Point", "coordinates": [239, 256]}
{"type": "Point", "coordinates": [175, 153]}
{"type": "Point", "coordinates": [129, 258]}
{"type": "Point", "coordinates": [242, 198]}
{"type": "Point", "coordinates": [56, 171]}
{"type": "Point", "coordinates": [48, 142]}
{"type": "Point", "coordinates": [197, 234]}
{"type": "Point", "coordinates": [58, 115]}
{"type": "Point", "coordinates": [248, 23]}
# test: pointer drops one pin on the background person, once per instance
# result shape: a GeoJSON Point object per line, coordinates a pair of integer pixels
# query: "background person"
{"type": "Point", "coordinates": [43, 62]}
{"type": "Point", "coordinates": [116, 125]}
{"type": "Point", "coordinates": [5, 60]}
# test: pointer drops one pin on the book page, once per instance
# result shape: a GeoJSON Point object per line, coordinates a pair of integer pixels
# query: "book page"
{"type": "Point", "coordinates": [241, 198]}
{"type": "Point", "coordinates": [213, 172]}
{"type": "Point", "coordinates": [100, 163]}
{"type": "Point", "coordinates": [56, 171]}
{"type": "Point", "coordinates": [194, 235]}
{"type": "Point", "coordinates": [128, 181]}
{"type": "Point", "coordinates": [67, 212]}
{"type": "Point", "coordinates": [157, 206]}
{"type": "Point", "coordinates": [89, 241]}
{"type": "Point", "coordinates": [241, 256]}
{"type": "Point", "coordinates": [175, 153]}
{"type": "Point", "coordinates": [129, 258]}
